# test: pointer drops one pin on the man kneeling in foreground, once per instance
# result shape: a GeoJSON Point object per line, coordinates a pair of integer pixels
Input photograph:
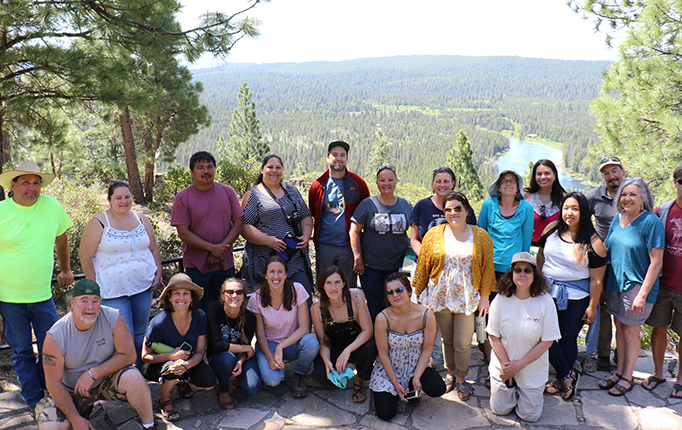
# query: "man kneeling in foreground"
{"type": "Point", "coordinates": [88, 356]}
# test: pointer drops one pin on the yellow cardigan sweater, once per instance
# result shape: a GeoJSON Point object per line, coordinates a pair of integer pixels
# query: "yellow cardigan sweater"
{"type": "Point", "coordinates": [432, 258]}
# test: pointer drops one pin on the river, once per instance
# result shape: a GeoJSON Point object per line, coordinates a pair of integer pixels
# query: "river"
{"type": "Point", "coordinates": [521, 152]}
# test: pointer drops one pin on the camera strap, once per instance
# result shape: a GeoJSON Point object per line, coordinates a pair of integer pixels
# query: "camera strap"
{"type": "Point", "coordinates": [286, 193]}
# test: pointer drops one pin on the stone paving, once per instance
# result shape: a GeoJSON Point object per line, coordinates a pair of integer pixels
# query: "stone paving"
{"type": "Point", "coordinates": [332, 408]}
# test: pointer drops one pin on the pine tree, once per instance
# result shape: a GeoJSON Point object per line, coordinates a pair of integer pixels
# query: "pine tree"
{"type": "Point", "coordinates": [379, 155]}
{"type": "Point", "coordinates": [460, 159]}
{"type": "Point", "coordinates": [245, 139]}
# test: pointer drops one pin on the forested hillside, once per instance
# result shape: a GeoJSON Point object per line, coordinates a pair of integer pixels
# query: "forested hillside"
{"type": "Point", "coordinates": [419, 102]}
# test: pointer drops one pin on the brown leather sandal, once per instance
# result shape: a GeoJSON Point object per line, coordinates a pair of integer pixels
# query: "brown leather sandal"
{"type": "Point", "coordinates": [169, 414]}
{"type": "Point", "coordinates": [619, 389]}
{"type": "Point", "coordinates": [608, 383]}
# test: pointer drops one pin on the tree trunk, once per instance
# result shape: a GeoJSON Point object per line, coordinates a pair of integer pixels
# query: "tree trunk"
{"type": "Point", "coordinates": [4, 152]}
{"type": "Point", "coordinates": [131, 157]}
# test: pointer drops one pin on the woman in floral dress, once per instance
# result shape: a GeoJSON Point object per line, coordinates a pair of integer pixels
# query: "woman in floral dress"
{"type": "Point", "coordinates": [455, 274]}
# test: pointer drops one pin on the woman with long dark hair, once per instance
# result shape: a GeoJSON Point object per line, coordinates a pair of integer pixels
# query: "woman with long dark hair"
{"type": "Point", "coordinates": [282, 327]}
{"type": "Point", "coordinates": [573, 259]}
{"type": "Point", "coordinates": [545, 193]}
{"type": "Point", "coordinates": [404, 333]}
{"type": "Point", "coordinates": [344, 330]}
{"type": "Point", "coordinates": [230, 330]}
{"type": "Point", "coordinates": [521, 328]}
{"type": "Point", "coordinates": [276, 221]}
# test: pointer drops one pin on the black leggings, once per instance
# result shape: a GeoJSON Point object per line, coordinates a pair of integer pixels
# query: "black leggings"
{"type": "Point", "coordinates": [386, 404]}
{"type": "Point", "coordinates": [363, 358]}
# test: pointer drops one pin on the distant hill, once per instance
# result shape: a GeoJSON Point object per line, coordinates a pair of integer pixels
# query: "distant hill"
{"type": "Point", "coordinates": [419, 102]}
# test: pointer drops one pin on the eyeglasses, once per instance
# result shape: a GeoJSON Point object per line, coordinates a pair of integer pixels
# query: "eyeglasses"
{"type": "Point", "coordinates": [615, 160]}
{"type": "Point", "coordinates": [508, 182]}
{"type": "Point", "coordinates": [527, 270]}
{"type": "Point", "coordinates": [455, 209]}
{"type": "Point", "coordinates": [679, 181]}
{"type": "Point", "coordinates": [234, 292]}
{"type": "Point", "coordinates": [396, 290]}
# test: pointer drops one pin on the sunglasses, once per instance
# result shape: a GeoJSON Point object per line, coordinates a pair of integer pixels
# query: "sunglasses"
{"type": "Point", "coordinates": [527, 270]}
{"type": "Point", "coordinates": [397, 290]}
{"type": "Point", "coordinates": [679, 181]}
{"type": "Point", "coordinates": [455, 209]}
{"type": "Point", "coordinates": [442, 170]}
{"type": "Point", "coordinates": [615, 160]}
{"type": "Point", "coordinates": [234, 292]}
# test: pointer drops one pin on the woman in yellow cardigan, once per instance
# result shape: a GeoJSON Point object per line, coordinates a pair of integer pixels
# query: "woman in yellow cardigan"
{"type": "Point", "coordinates": [456, 264]}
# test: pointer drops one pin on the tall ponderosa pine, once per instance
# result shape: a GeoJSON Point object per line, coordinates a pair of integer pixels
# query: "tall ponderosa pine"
{"type": "Point", "coordinates": [245, 140]}
{"type": "Point", "coordinates": [460, 159]}
{"type": "Point", "coordinates": [639, 114]}
{"type": "Point", "coordinates": [380, 151]}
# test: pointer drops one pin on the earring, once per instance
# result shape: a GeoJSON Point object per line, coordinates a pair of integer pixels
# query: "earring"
{"type": "Point", "coordinates": [641, 209]}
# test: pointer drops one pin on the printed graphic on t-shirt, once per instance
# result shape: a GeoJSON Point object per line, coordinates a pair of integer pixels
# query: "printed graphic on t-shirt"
{"type": "Point", "coordinates": [393, 223]}
{"type": "Point", "coordinates": [336, 203]}
{"type": "Point", "coordinates": [675, 244]}
{"type": "Point", "coordinates": [436, 221]}
{"type": "Point", "coordinates": [229, 334]}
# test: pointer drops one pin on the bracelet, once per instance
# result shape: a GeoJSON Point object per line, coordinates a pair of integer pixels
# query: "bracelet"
{"type": "Point", "coordinates": [91, 375]}
{"type": "Point", "coordinates": [186, 369]}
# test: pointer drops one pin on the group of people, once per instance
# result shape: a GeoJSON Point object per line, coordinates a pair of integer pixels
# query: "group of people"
{"type": "Point", "coordinates": [469, 271]}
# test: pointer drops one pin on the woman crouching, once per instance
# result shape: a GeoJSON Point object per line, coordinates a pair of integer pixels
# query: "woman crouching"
{"type": "Point", "coordinates": [522, 325]}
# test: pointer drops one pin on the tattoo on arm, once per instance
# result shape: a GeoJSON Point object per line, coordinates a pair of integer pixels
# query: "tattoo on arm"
{"type": "Point", "coordinates": [49, 360]}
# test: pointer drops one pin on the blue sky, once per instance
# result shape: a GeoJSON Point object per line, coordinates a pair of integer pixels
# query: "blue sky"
{"type": "Point", "coordinates": [333, 30]}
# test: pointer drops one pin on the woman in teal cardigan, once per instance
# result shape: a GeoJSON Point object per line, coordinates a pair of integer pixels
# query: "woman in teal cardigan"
{"type": "Point", "coordinates": [507, 218]}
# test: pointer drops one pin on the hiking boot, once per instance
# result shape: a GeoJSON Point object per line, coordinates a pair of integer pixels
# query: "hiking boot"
{"type": "Point", "coordinates": [300, 389]}
{"type": "Point", "coordinates": [604, 364]}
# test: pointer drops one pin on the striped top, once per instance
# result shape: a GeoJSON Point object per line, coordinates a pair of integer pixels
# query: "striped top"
{"type": "Point", "coordinates": [266, 215]}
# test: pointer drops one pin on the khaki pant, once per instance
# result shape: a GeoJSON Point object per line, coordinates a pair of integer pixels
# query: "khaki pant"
{"type": "Point", "coordinates": [527, 401]}
{"type": "Point", "coordinates": [456, 330]}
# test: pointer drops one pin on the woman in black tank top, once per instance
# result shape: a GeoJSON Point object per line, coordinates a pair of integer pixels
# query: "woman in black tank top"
{"type": "Point", "coordinates": [344, 329]}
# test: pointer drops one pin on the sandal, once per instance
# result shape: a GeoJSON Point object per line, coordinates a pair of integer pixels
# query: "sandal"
{"type": "Point", "coordinates": [677, 391]}
{"type": "Point", "coordinates": [449, 383]}
{"type": "Point", "coordinates": [608, 383]}
{"type": "Point", "coordinates": [184, 390]}
{"type": "Point", "coordinates": [619, 389]}
{"type": "Point", "coordinates": [225, 404]}
{"type": "Point", "coordinates": [464, 391]}
{"type": "Point", "coordinates": [169, 414]}
{"type": "Point", "coordinates": [553, 388]}
{"type": "Point", "coordinates": [569, 393]}
{"type": "Point", "coordinates": [359, 395]}
{"type": "Point", "coordinates": [652, 382]}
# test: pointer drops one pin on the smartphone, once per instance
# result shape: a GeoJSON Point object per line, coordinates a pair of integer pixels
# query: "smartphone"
{"type": "Point", "coordinates": [410, 395]}
{"type": "Point", "coordinates": [186, 347]}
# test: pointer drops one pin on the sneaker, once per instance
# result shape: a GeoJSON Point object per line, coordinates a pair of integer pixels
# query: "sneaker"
{"type": "Point", "coordinates": [300, 389]}
{"type": "Point", "coordinates": [603, 363]}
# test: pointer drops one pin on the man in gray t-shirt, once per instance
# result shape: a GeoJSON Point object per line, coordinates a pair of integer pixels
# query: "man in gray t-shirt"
{"type": "Point", "coordinates": [88, 356]}
{"type": "Point", "coordinates": [603, 207]}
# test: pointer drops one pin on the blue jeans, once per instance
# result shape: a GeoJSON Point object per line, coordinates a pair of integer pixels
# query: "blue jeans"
{"type": "Point", "coordinates": [563, 352]}
{"type": "Point", "coordinates": [135, 312]}
{"type": "Point", "coordinates": [304, 352]}
{"type": "Point", "coordinates": [210, 282]}
{"type": "Point", "coordinates": [19, 317]}
{"type": "Point", "coordinates": [372, 283]}
{"type": "Point", "coordinates": [249, 380]}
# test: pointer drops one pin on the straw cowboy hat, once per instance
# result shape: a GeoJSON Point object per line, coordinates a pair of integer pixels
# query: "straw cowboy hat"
{"type": "Point", "coordinates": [25, 168]}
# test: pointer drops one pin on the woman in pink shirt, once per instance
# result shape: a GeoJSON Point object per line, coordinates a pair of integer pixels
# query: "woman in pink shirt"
{"type": "Point", "coordinates": [282, 327]}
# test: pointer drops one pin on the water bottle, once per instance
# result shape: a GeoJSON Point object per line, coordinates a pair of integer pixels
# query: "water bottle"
{"type": "Point", "coordinates": [480, 329]}
{"type": "Point", "coordinates": [160, 348]}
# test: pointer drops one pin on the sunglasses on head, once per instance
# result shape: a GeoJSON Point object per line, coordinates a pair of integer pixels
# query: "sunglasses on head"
{"type": "Point", "coordinates": [234, 292]}
{"type": "Point", "coordinates": [527, 270]}
{"type": "Point", "coordinates": [455, 209]}
{"type": "Point", "coordinates": [396, 290]}
{"type": "Point", "coordinates": [610, 160]}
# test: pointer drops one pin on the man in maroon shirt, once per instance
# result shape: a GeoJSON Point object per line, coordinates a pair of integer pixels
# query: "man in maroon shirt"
{"type": "Point", "coordinates": [668, 308]}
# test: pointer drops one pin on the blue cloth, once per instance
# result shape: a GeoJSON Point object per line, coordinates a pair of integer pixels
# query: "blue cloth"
{"type": "Point", "coordinates": [210, 282]}
{"type": "Point", "coordinates": [562, 290]}
{"type": "Point", "coordinates": [19, 317]}
{"type": "Point", "coordinates": [426, 215]}
{"type": "Point", "coordinates": [304, 352]}
{"type": "Point", "coordinates": [372, 283]}
{"type": "Point", "coordinates": [135, 312]}
{"type": "Point", "coordinates": [333, 216]}
{"type": "Point", "coordinates": [628, 250]}
{"type": "Point", "coordinates": [340, 379]}
{"type": "Point", "coordinates": [162, 329]}
{"type": "Point", "coordinates": [509, 235]}
{"type": "Point", "coordinates": [592, 337]}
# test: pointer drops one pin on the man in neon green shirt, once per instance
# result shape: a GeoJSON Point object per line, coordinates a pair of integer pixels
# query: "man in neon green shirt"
{"type": "Point", "coordinates": [30, 226]}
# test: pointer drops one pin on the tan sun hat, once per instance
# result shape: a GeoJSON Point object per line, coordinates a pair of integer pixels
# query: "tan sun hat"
{"type": "Point", "coordinates": [182, 280]}
{"type": "Point", "coordinates": [25, 168]}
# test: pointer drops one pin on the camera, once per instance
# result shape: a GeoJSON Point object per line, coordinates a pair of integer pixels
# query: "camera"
{"type": "Point", "coordinates": [294, 220]}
